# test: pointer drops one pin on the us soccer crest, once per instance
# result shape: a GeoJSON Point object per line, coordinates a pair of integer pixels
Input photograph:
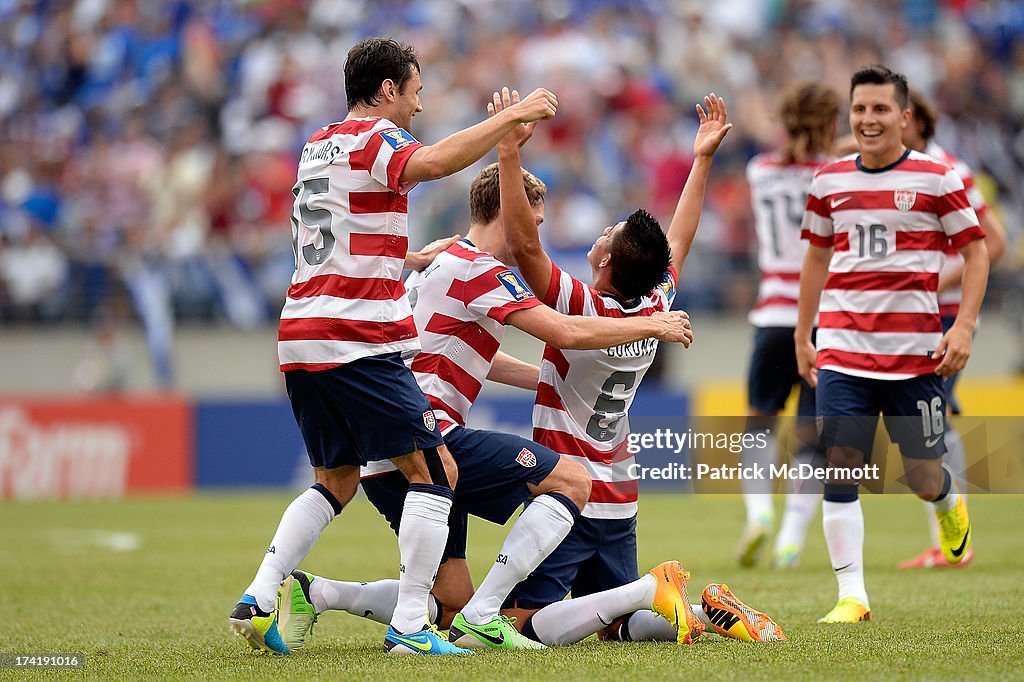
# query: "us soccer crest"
{"type": "Point", "coordinates": [526, 458]}
{"type": "Point", "coordinates": [904, 199]}
{"type": "Point", "coordinates": [428, 420]}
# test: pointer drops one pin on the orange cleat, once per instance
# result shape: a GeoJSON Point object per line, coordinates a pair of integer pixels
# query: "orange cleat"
{"type": "Point", "coordinates": [732, 618]}
{"type": "Point", "coordinates": [672, 604]}
{"type": "Point", "coordinates": [933, 558]}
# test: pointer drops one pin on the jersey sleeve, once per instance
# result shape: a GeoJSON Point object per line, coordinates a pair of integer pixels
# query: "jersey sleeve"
{"type": "Point", "coordinates": [958, 219]}
{"type": "Point", "coordinates": [817, 226]}
{"type": "Point", "coordinates": [495, 291]}
{"type": "Point", "coordinates": [394, 146]}
{"type": "Point", "coordinates": [566, 294]}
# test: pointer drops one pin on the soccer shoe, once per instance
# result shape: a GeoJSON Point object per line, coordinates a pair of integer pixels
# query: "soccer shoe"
{"type": "Point", "coordinates": [933, 558]}
{"type": "Point", "coordinates": [954, 532]}
{"type": "Point", "coordinates": [257, 627]}
{"type": "Point", "coordinates": [754, 537]}
{"type": "Point", "coordinates": [427, 641]}
{"type": "Point", "coordinates": [732, 618]}
{"type": "Point", "coordinates": [295, 612]}
{"type": "Point", "coordinates": [671, 603]}
{"type": "Point", "coordinates": [500, 633]}
{"type": "Point", "coordinates": [848, 610]}
{"type": "Point", "coordinates": [787, 557]}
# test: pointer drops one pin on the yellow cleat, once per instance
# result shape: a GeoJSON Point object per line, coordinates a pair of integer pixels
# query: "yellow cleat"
{"type": "Point", "coordinates": [732, 618]}
{"type": "Point", "coordinates": [672, 604]}
{"type": "Point", "coordinates": [848, 610]}
{"type": "Point", "coordinates": [753, 540]}
{"type": "Point", "coordinates": [954, 532]}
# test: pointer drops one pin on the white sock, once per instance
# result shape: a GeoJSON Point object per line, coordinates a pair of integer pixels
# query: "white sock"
{"type": "Point", "coordinates": [647, 626]}
{"type": "Point", "coordinates": [573, 620]}
{"type": "Point", "coordinates": [933, 523]}
{"type": "Point", "coordinates": [802, 504]}
{"type": "Point", "coordinates": [843, 523]}
{"type": "Point", "coordinates": [951, 498]}
{"type": "Point", "coordinates": [956, 456]}
{"type": "Point", "coordinates": [757, 492]}
{"type": "Point", "coordinates": [299, 528]}
{"type": "Point", "coordinates": [536, 533]}
{"type": "Point", "coordinates": [421, 540]}
{"type": "Point", "coordinates": [375, 600]}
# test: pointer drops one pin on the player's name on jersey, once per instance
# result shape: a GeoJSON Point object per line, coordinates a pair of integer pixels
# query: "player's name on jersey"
{"type": "Point", "coordinates": [753, 472]}
{"type": "Point", "coordinates": [633, 349]}
{"type": "Point", "coordinates": [324, 151]}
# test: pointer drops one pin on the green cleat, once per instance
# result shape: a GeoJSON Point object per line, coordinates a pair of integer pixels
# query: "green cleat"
{"type": "Point", "coordinates": [500, 633]}
{"type": "Point", "coordinates": [295, 612]}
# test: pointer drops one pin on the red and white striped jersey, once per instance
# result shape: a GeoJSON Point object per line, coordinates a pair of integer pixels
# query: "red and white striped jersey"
{"type": "Point", "coordinates": [778, 195]}
{"type": "Point", "coordinates": [584, 395]}
{"type": "Point", "coordinates": [460, 303]}
{"type": "Point", "coordinates": [350, 238]}
{"type": "Point", "coordinates": [879, 313]}
{"type": "Point", "coordinates": [949, 300]}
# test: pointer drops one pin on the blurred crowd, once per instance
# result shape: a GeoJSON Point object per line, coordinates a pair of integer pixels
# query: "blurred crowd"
{"type": "Point", "coordinates": [148, 150]}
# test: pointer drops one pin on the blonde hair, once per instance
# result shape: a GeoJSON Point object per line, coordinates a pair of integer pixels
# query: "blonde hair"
{"type": "Point", "coordinates": [808, 112]}
{"type": "Point", "coordinates": [484, 197]}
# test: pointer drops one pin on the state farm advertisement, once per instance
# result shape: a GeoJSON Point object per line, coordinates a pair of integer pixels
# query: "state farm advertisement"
{"type": "Point", "coordinates": [94, 448]}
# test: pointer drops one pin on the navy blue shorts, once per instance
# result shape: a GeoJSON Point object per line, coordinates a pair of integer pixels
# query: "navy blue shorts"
{"type": "Point", "coordinates": [596, 555]}
{"type": "Point", "coordinates": [914, 411]}
{"type": "Point", "coordinates": [494, 470]}
{"type": "Point", "coordinates": [387, 491]}
{"type": "Point", "coordinates": [368, 410]}
{"type": "Point", "coordinates": [773, 371]}
{"type": "Point", "coordinates": [950, 381]}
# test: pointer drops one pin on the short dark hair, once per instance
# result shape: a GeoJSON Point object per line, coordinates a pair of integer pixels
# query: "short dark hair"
{"type": "Point", "coordinates": [876, 74]}
{"type": "Point", "coordinates": [484, 193]}
{"type": "Point", "coordinates": [640, 255]}
{"type": "Point", "coordinates": [371, 62]}
{"type": "Point", "coordinates": [924, 114]}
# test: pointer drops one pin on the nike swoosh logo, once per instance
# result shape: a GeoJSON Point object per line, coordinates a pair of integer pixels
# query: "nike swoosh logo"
{"type": "Point", "coordinates": [932, 441]}
{"type": "Point", "coordinates": [422, 646]}
{"type": "Point", "coordinates": [839, 202]}
{"type": "Point", "coordinates": [963, 543]}
{"type": "Point", "coordinates": [843, 568]}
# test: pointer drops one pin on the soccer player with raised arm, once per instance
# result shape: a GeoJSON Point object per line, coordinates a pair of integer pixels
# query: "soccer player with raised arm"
{"type": "Point", "coordinates": [580, 412]}
{"type": "Point", "coordinates": [878, 224]}
{"type": "Point", "coordinates": [347, 320]}
{"type": "Point", "coordinates": [778, 193]}
{"type": "Point", "coordinates": [462, 304]}
{"type": "Point", "coordinates": [919, 135]}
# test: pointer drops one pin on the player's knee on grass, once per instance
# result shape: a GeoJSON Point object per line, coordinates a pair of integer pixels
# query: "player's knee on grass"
{"type": "Point", "coordinates": [568, 478]}
{"type": "Point", "coordinates": [342, 481]}
{"type": "Point", "coordinates": [925, 477]}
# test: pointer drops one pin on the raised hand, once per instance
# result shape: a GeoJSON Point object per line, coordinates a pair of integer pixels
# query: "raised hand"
{"type": "Point", "coordinates": [538, 104]}
{"type": "Point", "coordinates": [519, 135]}
{"type": "Point", "coordinates": [673, 327]}
{"type": "Point", "coordinates": [713, 126]}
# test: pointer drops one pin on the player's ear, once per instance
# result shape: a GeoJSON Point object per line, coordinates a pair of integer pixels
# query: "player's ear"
{"type": "Point", "coordinates": [389, 89]}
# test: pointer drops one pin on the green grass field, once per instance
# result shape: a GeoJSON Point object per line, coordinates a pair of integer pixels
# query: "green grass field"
{"type": "Point", "coordinates": [144, 587]}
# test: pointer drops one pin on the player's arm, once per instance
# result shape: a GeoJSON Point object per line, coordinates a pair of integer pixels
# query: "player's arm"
{"type": "Point", "coordinates": [995, 242]}
{"type": "Point", "coordinates": [581, 332]}
{"type": "Point", "coordinates": [955, 346]}
{"type": "Point", "coordinates": [514, 372]}
{"type": "Point", "coordinates": [812, 280]}
{"type": "Point", "coordinates": [713, 129]}
{"type": "Point", "coordinates": [419, 260]}
{"type": "Point", "coordinates": [522, 235]}
{"type": "Point", "coordinates": [461, 149]}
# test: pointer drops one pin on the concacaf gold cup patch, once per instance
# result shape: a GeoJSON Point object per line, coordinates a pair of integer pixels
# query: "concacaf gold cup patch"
{"type": "Point", "coordinates": [515, 286]}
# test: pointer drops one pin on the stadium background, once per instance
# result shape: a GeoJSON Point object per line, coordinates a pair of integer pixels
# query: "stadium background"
{"type": "Point", "coordinates": [147, 151]}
